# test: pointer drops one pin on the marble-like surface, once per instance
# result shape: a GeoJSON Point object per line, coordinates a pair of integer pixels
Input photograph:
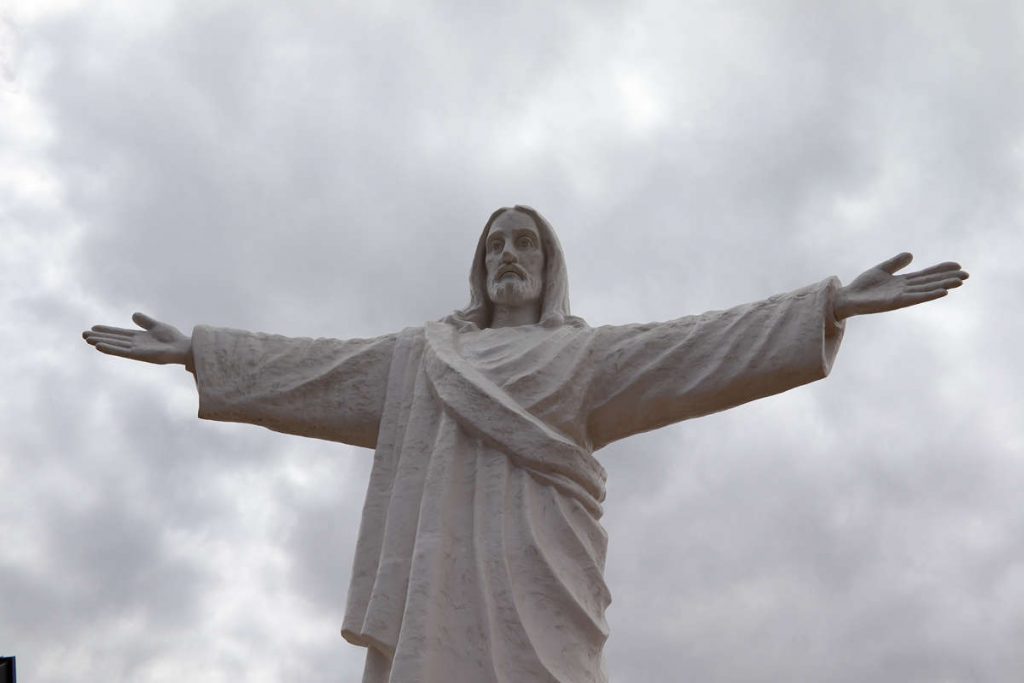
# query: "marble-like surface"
{"type": "Point", "coordinates": [481, 553]}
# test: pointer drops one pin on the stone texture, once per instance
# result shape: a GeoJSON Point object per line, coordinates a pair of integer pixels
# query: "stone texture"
{"type": "Point", "coordinates": [480, 555]}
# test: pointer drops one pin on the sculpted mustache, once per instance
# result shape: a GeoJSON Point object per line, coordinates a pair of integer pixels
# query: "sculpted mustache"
{"type": "Point", "coordinates": [511, 269]}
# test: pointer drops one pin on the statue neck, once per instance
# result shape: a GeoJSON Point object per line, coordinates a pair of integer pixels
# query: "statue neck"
{"type": "Point", "coordinates": [513, 316]}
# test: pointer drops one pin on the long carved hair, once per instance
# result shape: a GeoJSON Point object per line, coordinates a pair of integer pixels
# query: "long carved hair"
{"type": "Point", "coordinates": [554, 310]}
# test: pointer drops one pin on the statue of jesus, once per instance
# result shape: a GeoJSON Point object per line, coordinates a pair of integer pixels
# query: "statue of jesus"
{"type": "Point", "coordinates": [480, 555]}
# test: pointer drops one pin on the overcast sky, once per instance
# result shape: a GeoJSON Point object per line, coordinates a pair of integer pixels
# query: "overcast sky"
{"type": "Point", "coordinates": [324, 169]}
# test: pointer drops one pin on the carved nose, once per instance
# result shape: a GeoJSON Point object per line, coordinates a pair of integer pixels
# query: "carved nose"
{"type": "Point", "coordinates": [508, 257]}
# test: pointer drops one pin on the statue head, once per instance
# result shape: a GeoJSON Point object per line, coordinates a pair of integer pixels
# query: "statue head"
{"type": "Point", "coordinates": [514, 260]}
{"type": "Point", "coordinates": [538, 269]}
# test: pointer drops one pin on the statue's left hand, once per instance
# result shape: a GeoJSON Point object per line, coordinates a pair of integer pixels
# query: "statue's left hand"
{"type": "Point", "coordinates": [880, 289]}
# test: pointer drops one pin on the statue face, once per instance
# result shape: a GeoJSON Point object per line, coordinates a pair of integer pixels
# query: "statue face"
{"type": "Point", "coordinates": [515, 260]}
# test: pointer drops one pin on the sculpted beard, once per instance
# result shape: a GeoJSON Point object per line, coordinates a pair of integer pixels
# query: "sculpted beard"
{"type": "Point", "coordinates": [512, 290]}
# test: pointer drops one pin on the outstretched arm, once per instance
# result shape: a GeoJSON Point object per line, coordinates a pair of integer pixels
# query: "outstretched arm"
{"type": "Point", "coordinates": [650, 375]}
{"type": "Point", "coordinates": [156, 342]}
{"type": "Point", "coordinates": [879, 289]}
{"type": "Point", "coordinates": [325, 388]}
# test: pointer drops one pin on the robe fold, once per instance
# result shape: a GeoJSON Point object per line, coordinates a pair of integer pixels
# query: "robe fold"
{"type": "Point", "coordinates": [480, 555]}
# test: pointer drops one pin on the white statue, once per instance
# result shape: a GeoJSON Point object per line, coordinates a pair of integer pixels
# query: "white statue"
{"type": "Point", "coordinates": [481, 554]}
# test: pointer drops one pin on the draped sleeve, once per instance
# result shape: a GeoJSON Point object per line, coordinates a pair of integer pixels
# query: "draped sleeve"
{"type": "Point", "coordinates": [649, 375]}
{"type": "Point", "coordinates": [324, 388]}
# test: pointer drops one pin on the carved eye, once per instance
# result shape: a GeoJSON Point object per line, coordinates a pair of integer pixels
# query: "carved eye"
{"type": "Point", "coordinates": [525, 242]}
{"type": "Point", "coordinates": [496, 245]}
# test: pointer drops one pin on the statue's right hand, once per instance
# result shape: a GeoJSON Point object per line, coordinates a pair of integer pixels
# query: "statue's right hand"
{"type": "Point", "coordinates": [156, 342]}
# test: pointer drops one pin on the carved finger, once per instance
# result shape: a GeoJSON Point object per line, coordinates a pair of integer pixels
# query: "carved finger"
{"type": "Point", "coordinates": [113, 341]}
{"type": "Point", "coordinates": [113, 330]}
{"type": "Point", "coordinates": [144, 321]}
{"type": "Point", "coordinates": [112, 350]}
{"type": "Point", "coordinates": [918, 279]}
{"type": "Point", "coordinates": [115, 335]}
{"type": "Point", "coordinates": [924, 289]}
{"type": "Point", "coordinates": [949, 283]}
{"type": "Point", "coordinates": [937, 268]}
{"type": "Point", "coordinates": [897, 262]}
{"type": "Point", "coordinates": [93, 337]}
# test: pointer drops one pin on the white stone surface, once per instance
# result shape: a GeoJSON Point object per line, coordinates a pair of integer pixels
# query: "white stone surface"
{"type": "Point", "coordinates": [481, 553]}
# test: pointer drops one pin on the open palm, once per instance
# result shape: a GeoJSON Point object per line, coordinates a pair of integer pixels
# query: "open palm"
{"type": "Point", "coordinates": [156, 342]}
{"type": "Point", "coordinates": [879, 289]}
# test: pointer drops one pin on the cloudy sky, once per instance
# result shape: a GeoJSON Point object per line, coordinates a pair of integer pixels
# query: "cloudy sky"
{"type": "Point", "coordinates": [324, 169]}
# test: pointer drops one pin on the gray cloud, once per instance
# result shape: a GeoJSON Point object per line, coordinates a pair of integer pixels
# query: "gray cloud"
{"type": "Point", "coordinates": [325, 171]}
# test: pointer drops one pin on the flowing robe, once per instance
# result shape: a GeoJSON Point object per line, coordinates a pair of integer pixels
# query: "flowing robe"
{"type": "Point", "coordinates": [480, 554]}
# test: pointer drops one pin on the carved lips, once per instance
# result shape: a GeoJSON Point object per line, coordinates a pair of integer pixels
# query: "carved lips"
{"type": "Point", "coordinates": [510, 270]}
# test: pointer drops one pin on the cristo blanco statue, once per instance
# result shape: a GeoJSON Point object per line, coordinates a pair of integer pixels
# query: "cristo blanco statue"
{"type": "Point", "coordinates": [481, 553]}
